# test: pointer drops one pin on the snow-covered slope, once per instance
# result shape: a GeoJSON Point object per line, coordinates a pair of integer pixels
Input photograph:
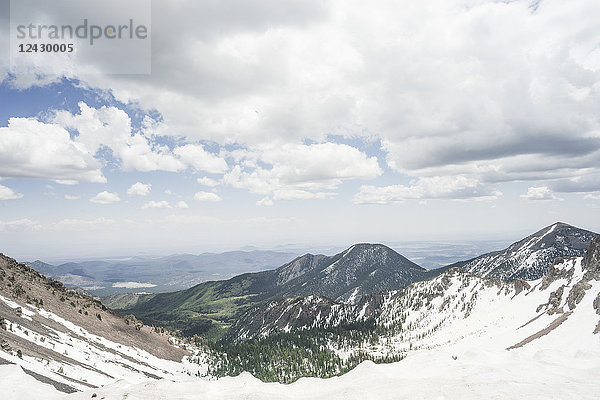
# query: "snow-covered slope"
{"type": "Point", "coordinates": [530, 258]}
{"type": "Point", "coordinates": [72, 341]}
{"type": "Point", "coordinates": [464, 337]}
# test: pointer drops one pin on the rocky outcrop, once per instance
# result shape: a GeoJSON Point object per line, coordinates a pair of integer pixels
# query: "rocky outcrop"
{"type": "Point", "coordinates": [133, 321]}
{"type": "Point", "coordinates": [554, 273]}
{"type": "Point", "coordinates": [597, 304]}
{"type": "Point", "coordinates": [554, 302]}
{"type": "Point", "coordinates": [591, 260]}
{"type": "Point", "coordinates": [520, 285]}
{"type": "Point", "coordinates": [577, 292]}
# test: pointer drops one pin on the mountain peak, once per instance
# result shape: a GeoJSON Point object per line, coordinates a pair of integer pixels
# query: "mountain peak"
{"type": "Point", "coordinates": [530, 258]}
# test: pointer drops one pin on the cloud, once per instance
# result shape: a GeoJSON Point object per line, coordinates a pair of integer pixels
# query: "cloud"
{"type": "Point", "coordinates": [182, 205]}
{"type": "Point", "coordinates": [440, 187]}
{"type": "Point", "coordinates": [139, 189]}
{"type": "Point", "coordinates": [541, 193]}
{"type": "Point", "coordinates": [445, 88]}
{"type": "Point", "coordinates": [265, 201]}
{"type": "Point", "coordinates": [105, 198]}
{"type": "Point", "coordinates": [110, 127]}
{"type": "Point", "coordinates": [156, 204]}
{"type": "Point", "coordinates": [577, 184]}
{"type": "Point", "coordinates": [33, 149]}
{"type": "Point", "coordinates": [206, 181]}
{"type": "Point", "coordinates": [201, 160]}
{"type": "Point", "coordinates": [71, 197]}
{"type": "Point", "coordinates": [7, 193]}
{"type": "Point", "coordinates": [207, 196]}
{"type": "Point", "coordinates": [75, 224]}
{"type": "Point", "coordinates": [24, 224]}
{"type": "Point", "coordinates": [300, 171]}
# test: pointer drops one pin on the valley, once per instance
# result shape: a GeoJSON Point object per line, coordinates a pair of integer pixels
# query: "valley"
{"type": "Point", "coordinates": [361, 314]}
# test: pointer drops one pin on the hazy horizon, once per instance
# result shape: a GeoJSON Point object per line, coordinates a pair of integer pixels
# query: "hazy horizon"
{"type": "Point", "coordinates": [317, 124]}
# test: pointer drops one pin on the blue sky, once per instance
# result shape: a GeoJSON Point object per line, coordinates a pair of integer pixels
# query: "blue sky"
{"type": "Point", "coordinates": [319, 123]}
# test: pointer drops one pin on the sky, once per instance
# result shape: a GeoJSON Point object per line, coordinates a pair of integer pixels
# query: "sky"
{"type": "Point", "coordinates": [274, 123]}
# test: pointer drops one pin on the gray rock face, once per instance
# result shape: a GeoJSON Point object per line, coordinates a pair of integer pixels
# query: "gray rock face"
{"type": "Point", "coordinates": [576, 294]}
{"type": "Point", "coordinates": [591, 260]}
{"type": "Point", "coordinates": [597, 304]}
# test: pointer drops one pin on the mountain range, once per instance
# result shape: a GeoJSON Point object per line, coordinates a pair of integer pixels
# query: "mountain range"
{"type": "Point", "coordinates": [523, 337]}
{"type": "Point", "coordinates": [158, 274]}
{"type": "Point", "coordinates": [362, 269]}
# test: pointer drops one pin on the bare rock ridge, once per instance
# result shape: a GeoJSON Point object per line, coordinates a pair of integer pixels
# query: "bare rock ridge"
{"type": "Point", "coordinates": [70, 337]}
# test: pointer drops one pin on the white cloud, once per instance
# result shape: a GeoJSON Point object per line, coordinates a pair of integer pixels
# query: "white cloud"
{"type": "Point", "coordinates": [33, 149]}
{"type": "Point", "coordinates": [24, 224]}
{"type": "Point", "coordinates": [201, 160]}
{"type": "Point", "coordinates": [75, 224]}
{"type": "Point", "coordinates": [439, 187]}
{"type": "Point", "coordinates": [445, 86]}
{"type": "Point", "coordinates": [71, 197]}
{"type": "Point", "coordinates": [541, 193]}
{"type": "Point", "coordinates": [110, 127]}
{"type": "Point", "coordinates": [105, 198]}
{"type": "Point", "coordinates": [156, 204]}
{"type": "Point", "coordinates": [265, 201]}
{"type": "Point", "coordinates": [7, 193]}
{"type": "Point", "coordinates": [207, 196]}
{"type": "Point", "coordinates": [206, 181]}
{"type": "Point", "coordinates": [139, 189]}
{"type": "Point", "coordinates": [182, 205]}
{"type": "Point", "coordinates": [592, 196]}
{"type": "Point", "coordinates": [300, 171]}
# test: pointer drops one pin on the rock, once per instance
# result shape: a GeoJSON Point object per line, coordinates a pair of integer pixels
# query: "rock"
{"type": "Point", "coordinates": [577, 293]}
{"type": "Point", "coordinates": [597, 304]}
{"type": "Point", "coordinates": [132, 320]}
{"type": "Point", "coordinates": [591, 259]}
{"type": "Point", "coordinates": [554, 274]}
{"type": "Point", "coordinates": [555, 299]}
{"type": "Point", "coordinates": [520, 285]}
{"type": "Point", "coordinates": [18, 311]}
{"type": "Point", "coordinates": [4, 345]}
{"type": "Point", "coordinates": [2, 323]}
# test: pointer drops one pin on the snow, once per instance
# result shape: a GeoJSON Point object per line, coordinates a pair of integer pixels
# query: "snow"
{"type": "Point", "coordinates": [464, 357]}
{"type": "Point", "coordinates": [456, 345]}
{"type": "Point", "coordinates": [431, 374]}
{"type": "Point", "coordinates": [23, 386]}
{"type": "Point", "coordinates": [132, 285]}
{"type": "Point", "coordinates": [103, 360]}
{"type": "Point", "coordinates": [354, 296]}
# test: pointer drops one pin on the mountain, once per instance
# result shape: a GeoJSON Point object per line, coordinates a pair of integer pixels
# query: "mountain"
{"type": "Point", "coordinates": [531, 257]}
{"type": "Point", "coordinates": [163, 274]}
{"type": "Point", "coordinates": [523, 338]}
{"type": "Point", "coordinates": [475, 337]}
{"type": "Point", "coordinates": [425, 307]}
{"type": "Point", "coordinates": [72, 341]}
{"type": "Point", "coordinates": [344, 277]}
